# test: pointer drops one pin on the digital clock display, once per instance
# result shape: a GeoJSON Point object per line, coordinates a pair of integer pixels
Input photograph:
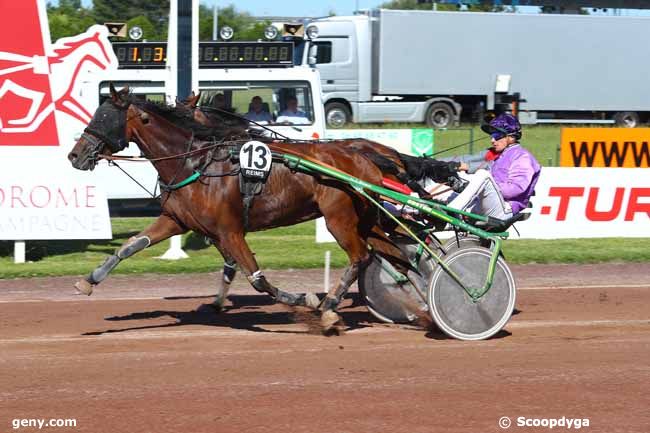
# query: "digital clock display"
{"type": "Point", "coordinates": [146, 55]}
{"type": "Point", "coordinates": [216, 54]}
{"type": "Point", "coordinates": [153, 55]}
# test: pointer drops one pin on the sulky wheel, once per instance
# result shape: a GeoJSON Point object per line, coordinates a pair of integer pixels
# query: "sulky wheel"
{"type": "Point", "coordinates": [391, 297]}
{"type": "Point", "coordinates": [453, 309]}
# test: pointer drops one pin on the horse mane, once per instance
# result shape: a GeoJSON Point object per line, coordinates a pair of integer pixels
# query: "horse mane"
{"type": "Point", "coordinates": [181, 117]}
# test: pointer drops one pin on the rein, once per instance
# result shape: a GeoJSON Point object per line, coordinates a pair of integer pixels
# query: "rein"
{"type": "Point", "coordinates": [163, 158]}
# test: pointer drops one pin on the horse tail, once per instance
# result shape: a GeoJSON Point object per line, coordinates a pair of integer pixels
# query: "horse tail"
{"type": "Point", "coordinates": [413, 167]}
{"type": "Point", "coordinates": [384, 164]}
{"type": "Point", "coordinates": [418, 168]}
{"type": "Point", "coordinates": [408, 174]}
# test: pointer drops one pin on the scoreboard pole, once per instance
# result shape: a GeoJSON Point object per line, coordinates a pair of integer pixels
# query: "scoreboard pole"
{"type": "Point", "coordinates": [182, 49]}
{"type": "Point", "coordinates": [183, 67]}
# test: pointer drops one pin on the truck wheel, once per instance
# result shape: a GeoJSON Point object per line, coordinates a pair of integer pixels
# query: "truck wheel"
{"type": "Point", "coordinates": [337, 115]}
{"type": "Point", "coordinates": [626, 119]}
{"type": "Point", "coordinates": [440, 115]}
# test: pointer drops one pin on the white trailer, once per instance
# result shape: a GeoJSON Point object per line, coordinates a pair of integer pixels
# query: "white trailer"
{"type": "Point", "coordinates": [426, 66]}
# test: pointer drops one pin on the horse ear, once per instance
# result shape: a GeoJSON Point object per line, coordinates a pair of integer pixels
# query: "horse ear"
{"type": "Point", "coordinates": [194, 99]}
{"type": "Point", "coordinates": [124, 91]}
{"type": "Point", "coordinates": [111, 89]}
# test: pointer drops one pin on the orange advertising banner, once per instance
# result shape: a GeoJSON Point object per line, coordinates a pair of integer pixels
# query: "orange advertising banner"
{"type": "Point", "coordinates": [605, 147]}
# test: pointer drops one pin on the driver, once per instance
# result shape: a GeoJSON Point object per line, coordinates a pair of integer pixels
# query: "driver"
{"type": "Point", "coordinates": [501, 179]}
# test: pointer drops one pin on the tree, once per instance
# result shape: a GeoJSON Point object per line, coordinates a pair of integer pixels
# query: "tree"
{"type": "Point", "coordinates": [245, 27]}
{"type": "Point", "coordinates": [68, 18]}
{"type": "Point", "coordinates": [560, 10]}
{"type": "Point", "coordinates": [156, 11]}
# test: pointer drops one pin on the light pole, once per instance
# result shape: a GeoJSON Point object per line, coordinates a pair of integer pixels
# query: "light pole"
{"type": "Point", "coordinates": [215, 15]}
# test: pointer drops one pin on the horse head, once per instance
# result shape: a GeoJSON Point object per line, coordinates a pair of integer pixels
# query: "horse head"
{"type": "Point", "coordinates": [106, 134]}
{"type": "Point", "coordinates": [159, 130]}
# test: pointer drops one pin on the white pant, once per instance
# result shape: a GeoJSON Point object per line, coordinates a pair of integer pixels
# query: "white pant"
{"type": "Point", "coordinates": [481, 196]}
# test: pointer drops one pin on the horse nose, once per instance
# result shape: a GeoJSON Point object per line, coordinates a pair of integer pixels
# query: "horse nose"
{"type": "Point", "coordinates": [72, 157]}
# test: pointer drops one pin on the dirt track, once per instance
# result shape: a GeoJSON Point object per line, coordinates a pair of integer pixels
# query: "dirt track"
{"type": "Point", "coordinates": [136, 357]}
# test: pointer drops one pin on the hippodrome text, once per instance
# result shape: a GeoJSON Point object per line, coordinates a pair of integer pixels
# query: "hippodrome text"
{"type": "Point", "coordinates": [62, 211]}
{"type": "Point", "coordinates": [42, 196]}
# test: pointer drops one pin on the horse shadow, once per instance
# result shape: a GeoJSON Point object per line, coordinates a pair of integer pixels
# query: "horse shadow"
{"type": "Point", "coordinates": [246, 313]}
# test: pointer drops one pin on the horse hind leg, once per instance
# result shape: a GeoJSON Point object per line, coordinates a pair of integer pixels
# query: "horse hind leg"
{"type": "Point", "coordinates": [163, 228]}
{"type": "Point", "coordinates": [330, 320]}
{"type": "Point", "coordinates": [346, 232]}
{"type": "Point", "coordinates": [235, 244]}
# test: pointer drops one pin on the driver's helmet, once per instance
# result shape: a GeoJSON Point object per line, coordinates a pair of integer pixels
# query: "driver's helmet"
{"type": "Point", "coordinates": [502, 125]}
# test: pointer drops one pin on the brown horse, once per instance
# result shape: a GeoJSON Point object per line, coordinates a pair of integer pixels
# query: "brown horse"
{"type": "Point", "coordinates": [404, 168]}
{"type": "Point", "coordinates": [213, 204]}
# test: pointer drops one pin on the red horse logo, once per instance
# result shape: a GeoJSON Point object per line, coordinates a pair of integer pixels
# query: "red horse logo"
{"type": "Point", "coordinates": [37, 80]}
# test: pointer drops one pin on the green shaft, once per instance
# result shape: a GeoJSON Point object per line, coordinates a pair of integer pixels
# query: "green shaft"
{"type": "Point", "coordinates": [434, 209]}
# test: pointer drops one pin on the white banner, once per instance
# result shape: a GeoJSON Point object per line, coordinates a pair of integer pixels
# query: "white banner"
{"type": "Point", "coordinates": [43, 109]}
{"type": "Point", "coordinates": [581, 203]}
{"type": "Point", "coordinates": [51, 207]}
{"type": "Point", "coordinates": [409, 141]}
{"type": "Point", "coordinates": [589, 203]}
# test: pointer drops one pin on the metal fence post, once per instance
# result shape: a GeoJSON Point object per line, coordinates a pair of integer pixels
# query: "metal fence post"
{"type": "Point", "coordinates": [471, 141]}
{"type": "Point", "coordinates": [326, 278]}
{"type": "Point", "coordinates": [19, 252]}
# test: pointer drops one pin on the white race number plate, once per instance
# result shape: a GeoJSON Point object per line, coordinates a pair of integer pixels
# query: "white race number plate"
{"type": "Point", "coordinates": [255, 159]}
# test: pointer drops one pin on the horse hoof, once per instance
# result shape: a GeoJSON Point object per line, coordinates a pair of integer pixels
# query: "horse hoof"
{"type": "Point", "coordinates": [84, 287]}
{"type": "Point", "coordinates": [329, 322]}
{"type": "Point", "coordinates": [312, 301]}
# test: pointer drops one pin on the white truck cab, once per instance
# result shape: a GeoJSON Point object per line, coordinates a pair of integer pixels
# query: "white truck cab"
{"type": "Point", "coordinates": [346, 51]}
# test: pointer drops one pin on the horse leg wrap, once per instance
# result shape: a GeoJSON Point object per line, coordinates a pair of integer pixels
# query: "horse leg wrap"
{"type": "Point", "coordinates": [347, 279]}
{"type": "Point", "coordinates": [133, 246]}
{"type": "Point", "coordinates": [100, 274]}
{"type": "Point", "coordinates": [229, 271]}
{"type": "Point", "coordinates": [259, 283]}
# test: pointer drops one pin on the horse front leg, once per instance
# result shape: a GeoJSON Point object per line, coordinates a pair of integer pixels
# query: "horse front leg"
{"type": "Point", "coordinates": [163, 228]}
{"type": "Point", "coordinates": [236, 245]}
